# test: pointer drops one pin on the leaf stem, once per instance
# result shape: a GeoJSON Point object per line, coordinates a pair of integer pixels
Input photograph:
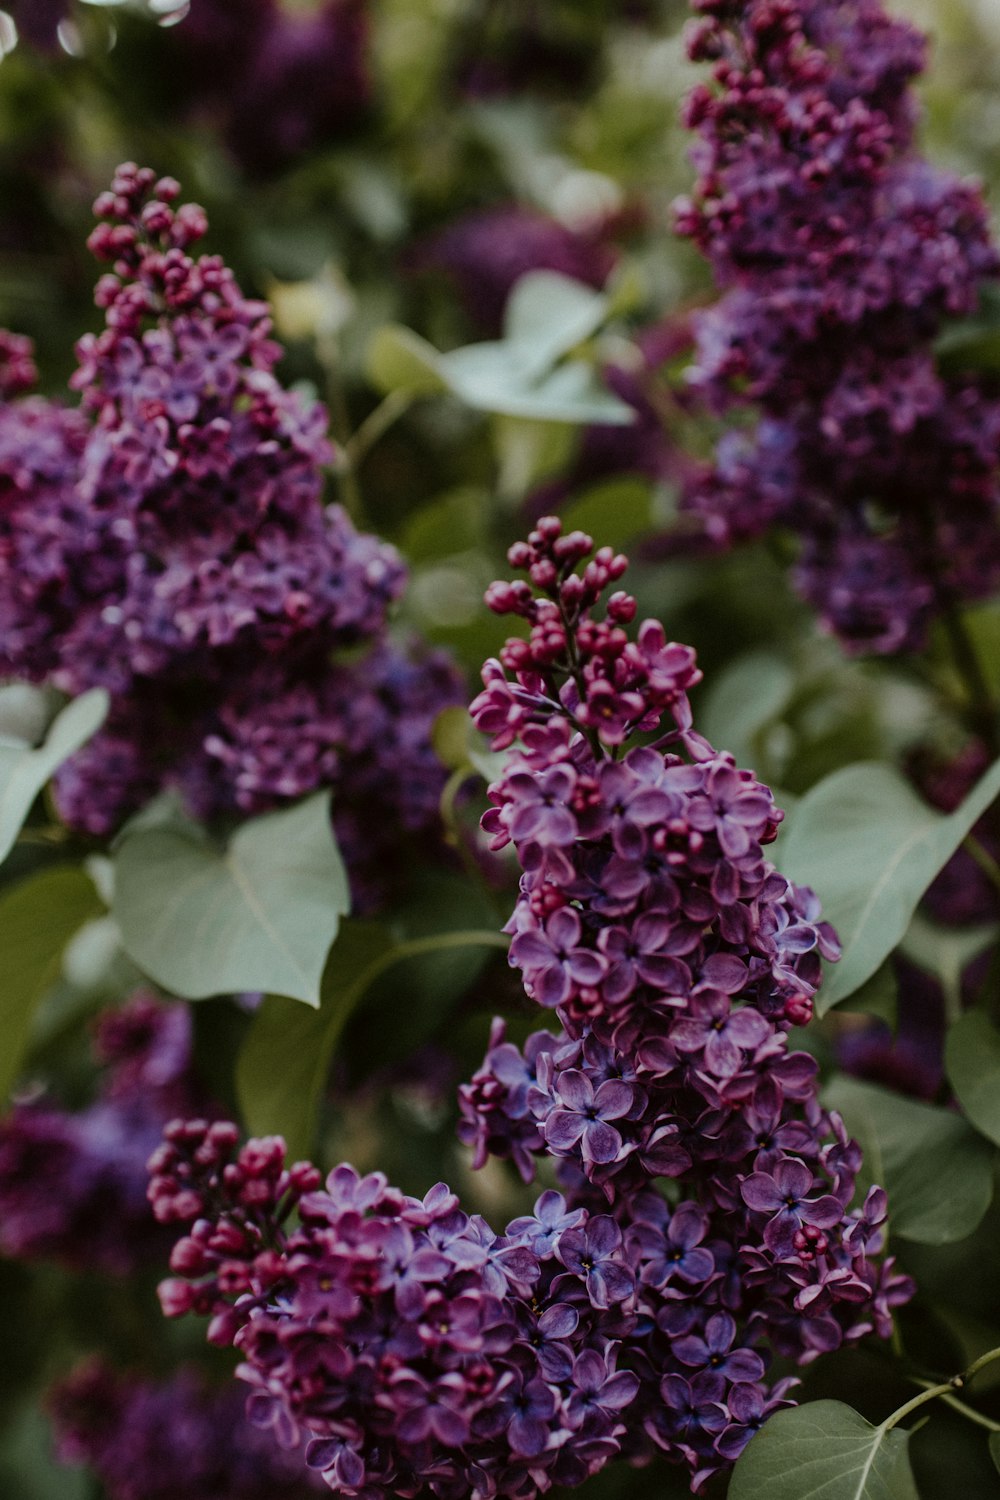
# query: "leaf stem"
{"type": "Point", "coordinates": [946, 1388]}
{"type": "Point", "coordinates": [960, 1406]}
{"type": "Point", "coordinates": [984, 859]}
{"type": "Point", "coordinates": [328, 353]}
{"type": "Point", "coordinates": [375, 425]}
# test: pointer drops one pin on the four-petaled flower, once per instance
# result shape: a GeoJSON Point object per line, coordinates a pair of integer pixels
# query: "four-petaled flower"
{"type": "Point", "coordinates": [784, 1196]}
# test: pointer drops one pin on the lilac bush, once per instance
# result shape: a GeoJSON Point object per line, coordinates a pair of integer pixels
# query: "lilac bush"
{"type": "Point", "coordinates": [840, 252]}
{"type": "Point", "coordinates": [705, 1221]}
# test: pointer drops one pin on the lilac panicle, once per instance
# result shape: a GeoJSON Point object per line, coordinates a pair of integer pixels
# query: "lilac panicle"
{"type": "Point", "coordinates": [839, 253]}
{"type": "Point", "coordinates": [169, 541]}
{"type": "Point", "coordinates": [676, 959]}
{"type": "Point", "coordinates": [407, 1344]}
{"type": "Point", "coordinates": [705, 1220]}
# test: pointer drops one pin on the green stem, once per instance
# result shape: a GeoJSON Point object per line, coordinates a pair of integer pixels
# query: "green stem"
{"type": "Point", "coordinates": [945, 1388]}
{"type": "Point", "coordinates": [981, 709]}
{"type": "Point", "coordinates": [931, 1394]}
{"type": "Point", "coordinates": [960, 1406]}
{"type": "Point", "coordinates": [452, 826]}
{"type": "Point", "coordinates": [974, 1369]}
{"type": "Point", "coordinates": [984, 859]}
{"type": "Point", "coordinates": [328, 354]}
{"type": "Point", "coordinates": [375, 425]}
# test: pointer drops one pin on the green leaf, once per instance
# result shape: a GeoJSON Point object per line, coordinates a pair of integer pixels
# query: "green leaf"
{"type": "Point", "coordinates": [500, 377]}
{"type": "Point", "coordinates": [548, 314]}
{"type": "Point", "coordinates": [744, 699]}
{"type": "Point", "coordinates": [937, 1171]}
{"type": "Point", "coordinates": [25, 713]}
{"type": "Point", "coordinates": [615, 512]}
{"type": "Point", "coordinates": [869, 848]}
{"type": "Point", "coordinates": [284, 1062]}
{"type": "Point", "coordinates": [258, 915]}
{"type": "Point", "coordinates": [37, 920]}
{"type": "Point", "coordinates": [995, 1449]}
{"type": "Point", "coordinates": [972, 1060]}
{"type": "Point", "coordinates": [24, 770]}
{"type": "Point", "coordinates": [400, 360]}
{"type": "Point", "coordinates": [824, 1450]}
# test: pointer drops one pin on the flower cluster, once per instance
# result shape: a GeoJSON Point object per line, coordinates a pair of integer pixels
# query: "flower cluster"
{"type": "Point", "coordinates": [148, 1440]}
{"type": "Point", "coordinates": [275, 83]}
{"type": "Point", "coordinates": [676, 959]}
{"type": "Point", "coordinates": [73, 1185]}
{"type": "Point", "coordinates": [706, 1219]}
{"type": "Point", "coordinates": [840, 253]}
{"type": "Point", "coordinates": [169, 541]}
{"type": "Point", "coordinates": [411, 1345]}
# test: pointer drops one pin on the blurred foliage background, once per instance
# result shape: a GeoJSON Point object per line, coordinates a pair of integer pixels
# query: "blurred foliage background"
{"type": "Point", "coordinates": [343, 190]}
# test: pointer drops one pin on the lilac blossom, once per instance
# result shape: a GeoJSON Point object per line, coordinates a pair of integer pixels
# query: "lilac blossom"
{"type": "Point", "coordinates": [839, 253]}
{"type": "Point", "coordinates": [169, 540]}
{"type": "Point", "coordinates": [625, 1316]}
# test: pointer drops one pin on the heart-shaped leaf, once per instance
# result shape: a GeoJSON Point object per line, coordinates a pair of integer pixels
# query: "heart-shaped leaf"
{"type": "Point", "coordinates": [937, 1171]}
{"type": "Point", "coordinates": [24, 770]}
{"type": "Point", "coordinates": [548, 314]}
{"type": "Point", "coordinates": [824, 1450]}
{"type": "Point", "coordinates": [972, 1058]}
{"type": "Point", "coordinates": [258, 915]}
{"type": "Point", "coordinates": [37, 920]}
{"type": "Point", "coordinates": [869, 848]}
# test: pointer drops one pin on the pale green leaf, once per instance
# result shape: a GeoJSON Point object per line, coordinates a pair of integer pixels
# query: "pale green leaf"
{"type": "Point", "coordinates": [37, 920]}
{"type": "Point", "coordinates": [869, 848]}
{"type": "Point", "coordinates": [548, 314]}
{"type": "Point", "coordinates": [972, 1059]}
{"type": "Point", "coordinates": [24, 770]}
{"type": "Point", "coordinates": [937, 1171]}
{"type": "Point", "coordinates": [258, 915]}
{"type": "Point", "coordinates": [995, 1449]}
{"type": "Point", "coordinates": [500, 377]}
{"type": "Point", "coordinates": [25, 713]}
{"type": "Point", "coordinates": [824, 1450]}
{"type": "Point", "coordinates": [744, 699]}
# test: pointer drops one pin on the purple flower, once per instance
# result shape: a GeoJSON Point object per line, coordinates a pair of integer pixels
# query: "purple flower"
{"type": "Point", "coordinates": [581, 1116]}
{"type": "Point", "coordinates": [555, 959]}
{"type": "Point", "coordinates": [719, 1034]}
{"type": "Point", "coordinates": [715, 1351]}
{"type": "Point", "coordinates": [429, 1409]}
{"type": "Point", "coordinates": [678, 1250]}
{"type": "Point", "coordinates": [594, 1254]}
{"type": "Point", "coordinates": [598, 1390]}
{"type": "Point", "coordinates": [784, 1196]}
{"type": "Point", "coordinates": [693, 1408]}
